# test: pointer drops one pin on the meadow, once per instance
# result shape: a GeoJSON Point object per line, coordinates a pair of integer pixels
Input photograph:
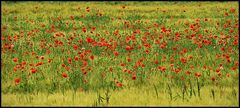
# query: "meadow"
{"type": "Point", "coordinates": [119, 53]}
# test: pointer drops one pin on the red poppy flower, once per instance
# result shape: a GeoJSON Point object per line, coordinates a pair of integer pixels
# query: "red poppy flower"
{"type": "Point", "coordinates": [69, 60]}
{"type": "Point", "coordinates": [237, 63]}
{"type": "Point", "coordinates": [89, 68]}
{"type": "Point", "coordinates": [228, 60]}
{"type": "Point", "coordinates": [33, 70]}
{"type": "Point", "coordinates": [163, 69]}
{"type": "Point", "coordinates": [17, 81]}
{"type": "Point", "coordinates": [191, 66]}
{"type": "Point", "coordinates": [234, 68]}
{"type": "Point", "coordinates": [116, 53]}
{"type": "Point", "coordinates": [31, 64]}
{"type": "Point", "coordinates": [190, 56]}
{"type": "Point", "coordinates": [204, 66]}
{"type": "Point", "coordinates": [197, 74]}
{"type": "Point", "coordinates": [133, 77]}
{"type": "Point", "coordinates": [129, 71]}
{"type": "Point", "coordinates": [160, 37]}
{"type": "Point", "coordinates": [75, 47]}
{"type": "Point", "coordinates": [82, 68]}
{"type": "Point", "coordinates": [119, 84]}
{"type": "Point", "coordinates": [64, 75]}
{"type": "Point", "coordinates": [39, 63]}
{"type": "Point", "coordinates": [76, 58]}
{"type": "Point", "coordinates": [182, 79]}
{"type": "Point", "coordinates": [147, 51]}
{"type": "Point", "coordinates": [72, 17]}
{"type": "Point", "coordinates": [171, 60]}
{"type": "Point", "coordinates": [213, 79]}
{"type": "Point", "coordinates": [188, 72]}
{"type": "Point", "coordinates": [49, 60]}
{"type": "Point", "coordinates": [23, 63]}
{"type": "Point", "coordinates": [84, 29]}
{"type": "Point", "coordinates": [60, 43]}
{"type": "Point", "coordinates": [162, 46]}
{"type": "Point", "coordinates": [15, 60]}
{"type": "Point", "coordinates": [42, 57]}
{"type": "Point", "coordinates": [184, 60]}
{"type": "Point", "coordinates": [128, 48]}
{"type": "Point", "coordinates": [174, 48]}
{"type": "Point", "coordinates": [177, 70]}
{"type": "Point", "coordinates": [184, 50]}
{"type": "Point", "coordinates": [84, 63]}
{"type": "Point", "coordinates": [85, 73]}
{"type": "Point", "coordinates": [128, 59]}
{"type": "Point", "coordinates": [88, 10]}
{"type": "Point", "coordinates": [226, 14]}
{"type": "Point", "coordinates": [218, 70]}
{"type": "Point", "coordinates": [59, 18]}
{"type": "Point", "coordinates": [135, 66]}
{"type": "Point", "coordinates": [122, 64]}
{"type": "Point", "coordinates": [232, 10]}
{"type": "Point", "coordinates": [92, 57]}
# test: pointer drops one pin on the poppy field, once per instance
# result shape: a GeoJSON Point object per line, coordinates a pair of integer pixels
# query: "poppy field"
{"type": "Point", "coordinates": [119, 53]}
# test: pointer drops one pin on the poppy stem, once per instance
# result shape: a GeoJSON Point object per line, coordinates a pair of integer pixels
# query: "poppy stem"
{"type": "Point", "coordinates": [198, 86]}
{"type": "Point", "coordinates": [155, 88]}
{"type": "Point", "coordinates": [213, 94]}
{"type": "Point", "coordinates": [170, 92]}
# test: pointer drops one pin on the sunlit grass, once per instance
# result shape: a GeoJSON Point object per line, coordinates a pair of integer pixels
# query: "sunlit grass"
{"type": "Point", "coordinates": [125, 97]}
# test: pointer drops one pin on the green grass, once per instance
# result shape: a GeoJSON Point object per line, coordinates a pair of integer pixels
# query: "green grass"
{"type": "Point", "coordinates": [31, 23]}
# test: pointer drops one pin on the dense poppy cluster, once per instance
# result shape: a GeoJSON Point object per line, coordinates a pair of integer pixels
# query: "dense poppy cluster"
{"type": "Point", "coordinates": [154, 47]}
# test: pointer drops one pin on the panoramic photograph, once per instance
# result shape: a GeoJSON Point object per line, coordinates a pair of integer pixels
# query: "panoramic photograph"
{"type": "Point", "coordinates": [120, 53]}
